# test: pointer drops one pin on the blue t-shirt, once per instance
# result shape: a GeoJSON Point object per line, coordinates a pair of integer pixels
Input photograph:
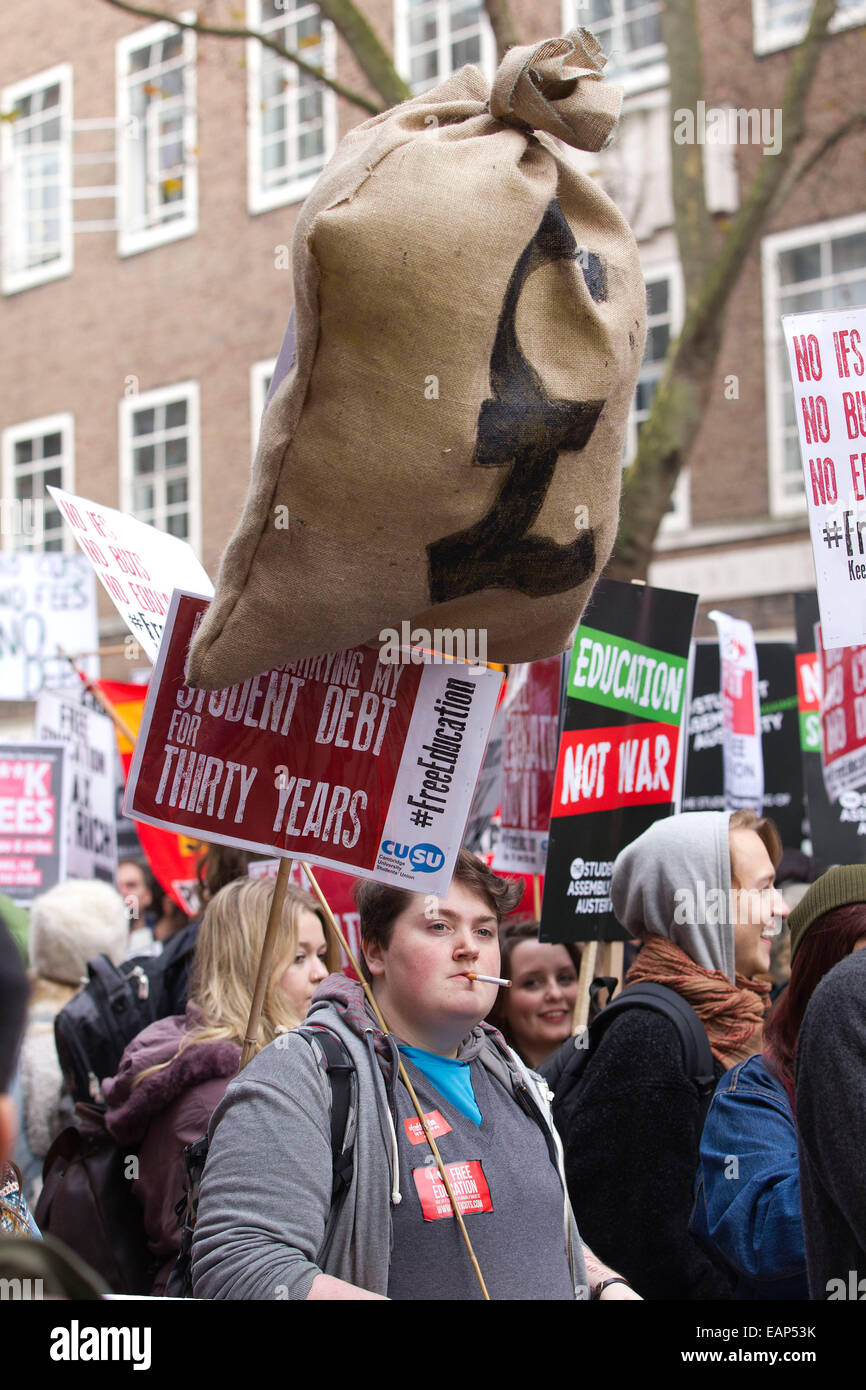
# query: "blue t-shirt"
{"type": "Point", "coordinates": [450, 1077]}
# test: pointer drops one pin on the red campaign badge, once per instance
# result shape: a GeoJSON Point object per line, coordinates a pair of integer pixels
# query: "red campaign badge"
{"type": "Point", "coordinates": [467, 1181]}
{"type": "Point", "coordinates": [436, 1123]}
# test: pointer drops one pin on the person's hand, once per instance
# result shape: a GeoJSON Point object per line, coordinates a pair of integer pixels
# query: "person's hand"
{"type": "Point", "coordinates": [619, 1293]}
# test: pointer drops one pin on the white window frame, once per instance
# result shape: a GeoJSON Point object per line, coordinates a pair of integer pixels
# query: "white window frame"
{"type": "Point", "coordinates": [771, 246]}
{"type": "Point", "coordinates": [24, 278]}
{"type": "Point", "coordinates": [259, 198]}
{"type": "Point", "coordinates": [260, 372]}
{"type": "Point", "coordinates": [654, 74]}
{"type": "Point", "coordinates": [64, 424]}
{"type": "Point", "coordinates": [767, 40]}
{"type": "Point", "coordinates": [133, 239]}
{"type": "Point", "coordinates": [403, 52]}
{"type": "Point", "coordinates": [146, 400]}
{"type": "Point", "coordinates": [679, 518]}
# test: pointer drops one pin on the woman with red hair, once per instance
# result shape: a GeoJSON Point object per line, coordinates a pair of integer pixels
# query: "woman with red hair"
{"type": "Point", "coordinates": [747, 1206]}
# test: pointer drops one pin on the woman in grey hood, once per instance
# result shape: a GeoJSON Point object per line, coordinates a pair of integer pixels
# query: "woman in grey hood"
{"type": "Point", "coordinates": [698, 889]}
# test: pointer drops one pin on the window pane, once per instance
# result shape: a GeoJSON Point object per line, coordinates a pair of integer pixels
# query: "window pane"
{"type": "Point", "coordinates": [423, 67]}
{"type": "Point", "coordinates": [175, 492]}
{"type": "Point", "coordinates": [849, 253]}
{"type": "Point", "coordinates": [657, 342]}
{"type": "Point", "coordinates": [53, 477]}
{"type": "Point", "coordinates": [24, 487]}
{"type": "Point", "coordinates": [177, 525]}
{"type": "Point", "coordinates": [175, 414]}
{"type": "Point", "coordinates": [143, 422]}
{"type": "Point", "coordinates": [274, 156]}
{"type": "Point", "coordinates": [51, 445]}
{"type": "Point", "coordinates": [142, 460]}
{"type": "Point", "coordinates": [142, 498]}
{"type": "Point", "coordinates": [803, 263]}
{"type": "Point", "coordinates": [657, 295]}
{"type": "Point", "coordinates": [310, 144]}
{"type": "Point", "coordinates": [175, 453]}
{"type": "Point", "coordinates": [466, 51]}
{"type": "Point", "coordinates": [23, 450]}
{"type": "Point", "coordinates": [849, 295]}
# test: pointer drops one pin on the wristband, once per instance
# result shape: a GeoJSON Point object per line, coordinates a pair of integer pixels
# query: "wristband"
{"type": "Point", "coordinates": [605, 1284]}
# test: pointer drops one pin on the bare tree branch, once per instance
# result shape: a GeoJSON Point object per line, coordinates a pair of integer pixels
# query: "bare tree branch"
{"type": "Point", "coordinates": [692, 223]}
{"type": "Point", "coordinates": [798, 172]}
{"type": "Point", "coordinates": [502, 24]}
{"type": "Point", "coordinates": [228, 32]}
{"type": "Point", "coordinates": [668, 434]}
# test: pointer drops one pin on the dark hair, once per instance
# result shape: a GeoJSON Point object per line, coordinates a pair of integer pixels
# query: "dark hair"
{"type": "Point", "coordinates": [511, 934]}
{"type": "Point", "coordinates": [221, 865]}
{"type": "Point", "coordinates": [829, 939]}
{"type": "Point", "coordinates": [153, 887]}
{"type": "Point", "coordinates": [764, 828]}
{"type": "Point", "coordinates": [380, 905]}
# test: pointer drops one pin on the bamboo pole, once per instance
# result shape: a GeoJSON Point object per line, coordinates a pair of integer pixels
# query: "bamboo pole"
{"type": "Point", "coordinates": [270, 941]}
{"type": "Point", "coordinates": [585, 979]}
{"type": "Point", "coordinates": [119, 722]}
{"type": "Point", "coordinates": [419, 1109]}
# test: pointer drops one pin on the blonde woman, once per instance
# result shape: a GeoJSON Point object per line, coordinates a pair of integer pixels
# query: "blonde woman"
{"type": "Point", "coordinates": [173, 1074]}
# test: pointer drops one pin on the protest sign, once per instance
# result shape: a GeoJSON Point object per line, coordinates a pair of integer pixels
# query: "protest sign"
{"type": "Point", "coordinates": [531, 712]}
{"type": "Point", "coordinates": [336, 887]}
{"type": "Point", "coordinates": [174, 859]}
{"type": "Point", "coordinates": [46, 600]}
{"type": "Point", "coordinates": [137, 565]}
{"type": "Point", "coordinates": [826, 356]}
{"type": "Point", "coordinates": [780, 740]}
{"type": "Point", "coordinates": [488, 790]}
{"type": "Point", "coordinates": [843, 716]}
{"type": "Point", "coordinates": [620, 751]}
{"type": "Point", "coordinates": [742, 760]}
{"type": "Point", "coordinates": [32, 842]}
{"type": "Point", "coordinates": [837, 830]}
{"type": "Point", "coordinates": [343, 760]}
{"type": "Point", "coordinates": [90, 801]}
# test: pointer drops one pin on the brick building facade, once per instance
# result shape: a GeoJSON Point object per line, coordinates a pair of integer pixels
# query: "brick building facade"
{"type": "Point", "coordinates": [150, 184]}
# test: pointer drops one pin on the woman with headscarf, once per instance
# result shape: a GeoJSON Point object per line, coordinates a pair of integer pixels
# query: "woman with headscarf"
{"type": "Point", "coordinates": [698, 889]}
{"type": "Point", "coordinates": [747, 1207]}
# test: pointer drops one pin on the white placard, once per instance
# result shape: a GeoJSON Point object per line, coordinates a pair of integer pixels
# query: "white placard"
{"type": "Point", "coordinates": [137, 565]}
{"type": "Point", "coordinates": [742, 753]}
{"type": "Point", "coordinates": [46, 600]}
{"type": "Point", "coordinates": [89, 810]}
{"type": "Point", "coordinates": [827, 357]}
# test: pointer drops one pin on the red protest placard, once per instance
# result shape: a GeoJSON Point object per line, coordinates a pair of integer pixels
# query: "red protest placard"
{"type": "Point", "coordinates": [346, 760]}
{"type": "Point", "coordinates": [32, 833]}
{"type": "Point", "coordinates": [843, 716]}
{"type": "Point", "coordinates": [530, 737]}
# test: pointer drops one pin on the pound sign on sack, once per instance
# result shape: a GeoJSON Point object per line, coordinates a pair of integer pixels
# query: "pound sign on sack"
{"type": "Point", "coordinates": [521, 428]}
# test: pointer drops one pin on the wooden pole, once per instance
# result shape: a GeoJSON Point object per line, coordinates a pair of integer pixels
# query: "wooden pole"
{"type": "Point", "coordinates": [585, 979]}
{"type": "Point", "coordinates": [270, 941]}
{"type": "Point", "coordinates": [536, 896]}
{"type": "Point", "coordinates": [119, 723]}
{"type": "Point", "coordinates": [617, 949]}
{"type": "Point", "coordinates": [419, 1109]}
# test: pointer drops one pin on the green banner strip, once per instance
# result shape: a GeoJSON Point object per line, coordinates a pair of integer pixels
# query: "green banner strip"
{"type": "Point", "coordinates": [810, 731]}
{"type": "Point", "coordinates": [623, 675]}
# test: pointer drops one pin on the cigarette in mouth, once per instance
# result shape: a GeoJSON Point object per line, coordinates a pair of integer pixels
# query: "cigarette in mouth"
{"type": "Point", "coordinates": [487, 979]}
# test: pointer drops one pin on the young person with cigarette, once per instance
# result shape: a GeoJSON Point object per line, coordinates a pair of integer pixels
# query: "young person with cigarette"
{"type": "Point", "coordinates": [268, 1226]}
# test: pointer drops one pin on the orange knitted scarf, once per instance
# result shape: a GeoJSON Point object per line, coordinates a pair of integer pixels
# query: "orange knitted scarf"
{"type": "Point", "coordinates": [733, 1015]}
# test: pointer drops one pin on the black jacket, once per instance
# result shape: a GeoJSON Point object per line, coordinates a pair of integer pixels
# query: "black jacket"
{"type": "Point", "coordinates": [631, 1154]}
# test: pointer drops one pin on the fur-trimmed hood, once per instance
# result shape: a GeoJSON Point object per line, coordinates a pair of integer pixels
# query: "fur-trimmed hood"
{"type": "Point", "coordinates": [130, 1111]}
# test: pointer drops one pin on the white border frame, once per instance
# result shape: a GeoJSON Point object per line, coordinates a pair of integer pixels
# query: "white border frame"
{"type": "Point", "coordinates": [258, 372]}
{"type": "Point", "coordinates": [766, 41]}
{"type": "Point", "coordinates": [771, 245]}
{"type": "Point", "coordinates": [16, 280]}
{"type": "Point", "coordinates": [487, 62]}
{"type": "Point", "coordinates": [130, 243]}
{"type": "Point", "coordinates": [144, 400]}
{"type": "Point", "coordinates": [64, 421]}
{"type": "Point", "coordinates": [656, 74]}
{"type": "Point", "coordinates": [258, 198]}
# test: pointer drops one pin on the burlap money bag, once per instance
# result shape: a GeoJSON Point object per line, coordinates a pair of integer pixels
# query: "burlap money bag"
{"type": "Point", "coordinates": [447, 448]}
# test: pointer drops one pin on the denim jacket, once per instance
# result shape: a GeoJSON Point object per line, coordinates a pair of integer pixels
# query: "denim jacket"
{"type": "Point", "coordinates": [747, 1190]}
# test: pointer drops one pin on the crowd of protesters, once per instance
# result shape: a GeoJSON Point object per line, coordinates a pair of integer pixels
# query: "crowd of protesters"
{"type": "Point", "coordinates": [395, 1136]}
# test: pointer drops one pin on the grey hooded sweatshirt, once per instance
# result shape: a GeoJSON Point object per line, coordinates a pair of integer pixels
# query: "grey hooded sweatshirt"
{"type": "Point", "coordinates": [675, 880]}
{"type": "Point", "coordinates": [263, 1229]}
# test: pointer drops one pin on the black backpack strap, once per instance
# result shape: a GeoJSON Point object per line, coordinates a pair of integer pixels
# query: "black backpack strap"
{"type": "Point", "coordinates": [697, 1053]}
{"type": "Point", "coordinates": [340, 1070]}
